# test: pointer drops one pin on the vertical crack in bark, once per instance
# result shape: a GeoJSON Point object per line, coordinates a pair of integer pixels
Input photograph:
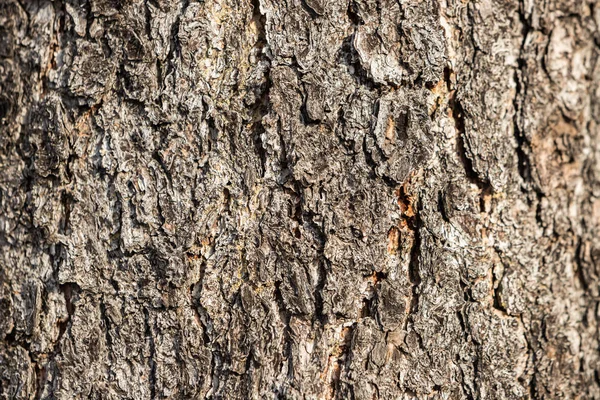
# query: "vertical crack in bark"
{"type": "Point", "coordinates": [413, 271]}
{"type": "Point", "coordinates": [108, 339]}
{"type": "Point", "coordinates": [523, 150]}
{"type": "Point", "coordinates": [410, 222]}
{"type": "Point", "coordinates": [531, 350]}
{"type": "Point", "coordinates": [69, 290]}
{"type": "Point", "coordinates": [349, 55]}
{"type": "Point", "coordinates": [470, 391]}
{"type": "Point", "coordinates": [457, 113]}
{"type": "Point", "coordinates": [151, 355]}
{"type": "Point", "coordinates": [157, 157]}
{"type": "Point", "coordinates": [258, 128]}
{"type": "Point", "coordinates": [337, 359]}
{"type": "Point", "coordinates": [497, 296]}
{"type": "Point", "coordinates": [371, 299]}
{"type": "Point", "coordinates": [175, 46]}
{"type": "Point", "coordinates": [285, 315]}
{"type": "Point", "coordinates": [201, 315]}
{"type": "Point", "coordinates": [323, 264]}
{"type": "Point", "coordinates": [204, 319]}
{"type": "Point", "coordinates": [261, 107]}
{"type": "Point", "coordinates": [196, 289]}
{"type": "Point", "coordinates": [148, 21]}
{"type": "Point", "coordinates": [474, 391]}
{"type": "Point", "coordinates": [580, 265]}
{"type": "Point", "coordinates": [524, 163]}
{"type": "Point", "coordinates": [50, 63]}
{"type": "Point", "coordinates": [310, 10]}
{"type": "Point", "coordinates": [294, 188]}
{"type": "Point", "coordinates": [40, 376]}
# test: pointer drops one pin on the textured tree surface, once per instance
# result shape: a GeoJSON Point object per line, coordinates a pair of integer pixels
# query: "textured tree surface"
{"type": "Point", "coordinates": [299, 199]}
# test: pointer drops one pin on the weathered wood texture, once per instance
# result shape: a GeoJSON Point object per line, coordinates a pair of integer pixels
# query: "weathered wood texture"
{"type": "Point", "coordinates": [368, 199]}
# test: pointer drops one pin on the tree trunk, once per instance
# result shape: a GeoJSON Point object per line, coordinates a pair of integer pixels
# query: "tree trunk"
{"type": "Point", "coordinates": [299, 199]}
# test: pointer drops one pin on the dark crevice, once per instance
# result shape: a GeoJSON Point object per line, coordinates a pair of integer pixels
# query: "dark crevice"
{"type": "Point", "coordinates": [304, 114]}
{"type": "Point", "coordinates": [55, 43]}
{"type": "Point", "coordinates": [285, 316]}
{"type": "Point", "coordinates": [580, 266]}
{"type": "Point", "coordinates": [213, 132]}
{"type": "Point", "coordinates": [339, 128]}
{"type": "Point", "coordinates": [348, 55]}
{"type": "Point", "coordinates": [411, 224]}
{"type": "Point", "coordinates": [497, 292]}
{"type": "Point", "coordinates": [67, 201]}
{"type": "Point", "coordinates": [472, 390]}
{"type": "Point", "coordinates": [323, 262]}
{"type": "Point", "coordinates": [107, 337]}
{"type": "Point", "coordinates": [310, 10]}
{"type": "Point", "coordinates": [440, 206]}
{"type": "Point", "coordinates": [467, 389]}
{"type": "Point", "coordinates": [148, 20]}
{"type": "Point", "coordinates": [200, 316]}
{"type": "Point", "coordinates": [343, 358]}
{"type": "Point", "coordinates": [532, 346]}
{"type": "Point", "coordinates": [11, 338]}
{"type": "Point", "coordinates": [476, 361]}
{"type": "Point", "coordinates": [413, 267]}
{"type": "Point", "coordinates": [258, 128]}
{"type": "Point", "coordinates": [41, 373]}
{"type": "Point", "coordinates": [371, 162]}
{"type": "Point", "coordinates": [466, 290]}
{"type": "Point", "coordinates": [353, 14]}
{"type": "Point", "coordinates": [69, 290]}
{"type": "Point", "coordinates": [373, 299]}
{"type": "Point", "coordinates": [107, 327]}
{"type": "Point", "coordinates": [406, 204]}
{"type": "Point", "coordinates": [318, 293]}
{"type": "Point", "coordinates": [367, 310]}
{"type": "Point", "coordinates": [151, 356]}
{"type": "Point", "coordinates": [306, 218]}
{"type": "Point", "coordinates": [524, 165]}
{"type": "Point", "coordinates": [458, 115]}
{"type": "Point", "coordinates": [157, 157]}
{"type": "Point", "coordinates": [217, 366]}
{"type": "Point", "coordinates": [302, 90]}
{"type": "Point", "coordinates": [523, 149]}
{"type": "Point", "coordinates": [261, 106]}
{"type": "Point", "coordinates": [379, 276]}
{"type": "Point", "coordinates": [175, 46]}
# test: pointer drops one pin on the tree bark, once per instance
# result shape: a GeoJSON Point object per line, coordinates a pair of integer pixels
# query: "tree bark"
{"type": "Point", "coordinates": [299, 199]}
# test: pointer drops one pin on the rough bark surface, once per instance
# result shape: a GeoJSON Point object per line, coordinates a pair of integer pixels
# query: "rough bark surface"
{"type": "Point", "coordinates": [299, 199]}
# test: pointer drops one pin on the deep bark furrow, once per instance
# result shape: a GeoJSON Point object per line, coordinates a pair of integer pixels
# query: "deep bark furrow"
{"type": "Point", "coordinates": [299, 199]}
